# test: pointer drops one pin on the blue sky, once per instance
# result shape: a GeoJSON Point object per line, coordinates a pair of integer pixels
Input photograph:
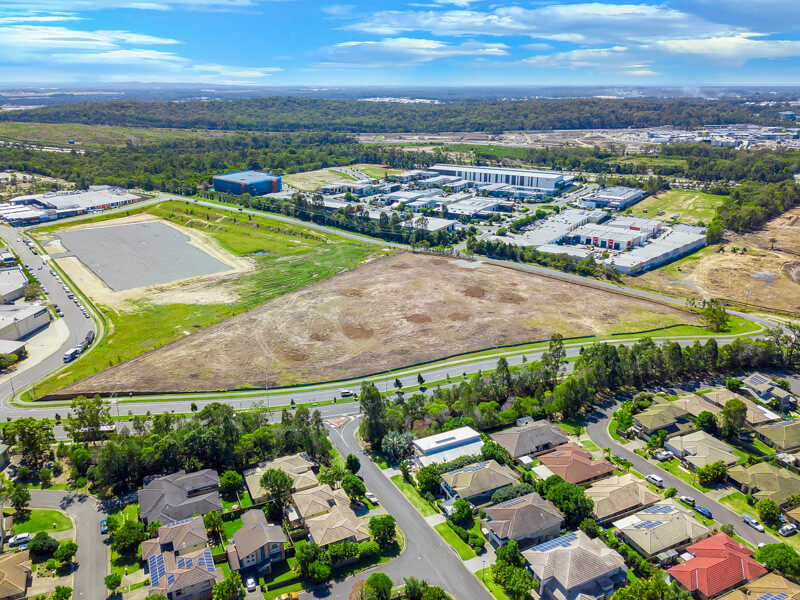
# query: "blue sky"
{"type": "Point", "coordinates": [422, 42]}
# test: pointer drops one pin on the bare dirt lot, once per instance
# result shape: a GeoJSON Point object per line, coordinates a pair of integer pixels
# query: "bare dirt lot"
{"type": "Point", "coordinates": [766, 274]}
{"type": "Point", "coordinates": [386, 314]}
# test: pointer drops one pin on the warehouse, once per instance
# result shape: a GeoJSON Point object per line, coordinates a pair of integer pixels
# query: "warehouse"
{"type": "Point", "coordinates": [12, 284]}
{"type": "Point", "coordinates": [38, 208]}
{"type": "Point", "coordinates": [649, 227]}
{"type": "Point", "coordinates": [614, 198]}
{"type": "Point", "coordinates": [254, 183]}
{"type": "Point", "coordinates": [411, 176]}
{"type": "Point", "coordinates": [549, 181]}
{"type": "Point", "coordinates": [553, 229]}
{"type": "Point", "coordinates": [21, 320]}
{"type": "Point", "coordinates": [604, 236]}
{"type": "Point", "coordinates": [411, 195]}
{"type": "Point", "coordinates": [672, 245]}
{"type": "Point", "coordinates": [478, 207]}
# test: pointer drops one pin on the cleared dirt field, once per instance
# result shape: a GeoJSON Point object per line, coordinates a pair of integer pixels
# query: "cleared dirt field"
{"type": "Point", "coordinates": [311, 181]}
{"type": "Point", "coordinates": [388, 313]}
{"type": "Point", "coordinates": [761, 276]}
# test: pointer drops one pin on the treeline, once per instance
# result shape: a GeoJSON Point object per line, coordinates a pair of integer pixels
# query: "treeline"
{"type": "Point", "coordinates": [587, 267]}
{"type": "Point", "coordinates": [751, 204]}
{"type": "Point", "coordinates": [182, 166]}
{"type": "Point", "coordinates": [317, 114]}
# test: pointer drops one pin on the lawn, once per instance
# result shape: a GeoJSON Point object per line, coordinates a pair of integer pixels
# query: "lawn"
{"type": "Point", "coordinates": [464, 551]}
{"type": "Point", "coordinates": [410, 492]}
{"type": "Point", "coordinates": [485, 575]}
{"type": "Point", "coordinates": [40, 519]}
{"type": "Point", "coordinates": [612, 431]}
{"type": "Point", "coordinates": [738, 503]}
{"type": "Point", "coordinates": [673, 466]}
{"type": "Point", "coordinates": [571, 426]}
{"type": "Point", "coordinates": [294, 257]}
{"type": "Point", "coordinates": [376, 171]}
{"type": "Point", "coordinates": [590, 446]}
{"type": "Point", "coordinates": [119, 563]}
{"type": "Point", "coordinates": [693, 207]}
{"type": "Point", "coordinates": [243, 500]}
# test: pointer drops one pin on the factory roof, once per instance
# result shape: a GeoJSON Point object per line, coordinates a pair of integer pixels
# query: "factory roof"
{"type": "Point", "coordinates": [17, 312]}
{"type": "Point", "coordinates": [12, 279]}
{"type": "Point", "coordinates": [245, 177]}
{"type": "Point", "coordinates": [618, 192]}
{"type": "Point", "coordinates": [501, 170]}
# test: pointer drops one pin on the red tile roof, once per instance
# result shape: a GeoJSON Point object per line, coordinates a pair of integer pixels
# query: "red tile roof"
{"type": "Point", "coordinates": [720, 564]}
{"type": "Point", "coordinates": [574, 464]}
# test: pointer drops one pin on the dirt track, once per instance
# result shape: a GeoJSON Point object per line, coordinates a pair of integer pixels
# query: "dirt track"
{"type": "Point", "coordinates": [389, 313]}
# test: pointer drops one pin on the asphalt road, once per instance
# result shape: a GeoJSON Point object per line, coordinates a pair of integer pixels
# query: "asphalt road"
{"type": "Point", "coordinates": [426, 556]}
{"type": "Point", "coordinates": [597, 429]}
{"type": "Point", "coordinates": [93, 555]}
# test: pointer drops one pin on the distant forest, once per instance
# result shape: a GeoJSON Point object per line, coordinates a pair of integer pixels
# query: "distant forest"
{"type": "Point", "coordinates": [277, 114]}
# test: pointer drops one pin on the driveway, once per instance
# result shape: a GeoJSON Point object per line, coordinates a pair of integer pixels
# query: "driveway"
{"type": "Point", "coordinates": [597, 429]}
{"type": "Point", "coordinates": [92, 557]}
{"type": "Point", "coordinates": [426, 555]}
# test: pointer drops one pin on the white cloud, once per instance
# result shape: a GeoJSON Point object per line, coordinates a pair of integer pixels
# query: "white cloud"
{"type": "Point", "coordinates": [736, 49]}
{"type": "Point", "coordinates": [134, 56]}
{"type": "Point", "coordinates": [404, 52]}
{"type": "Point", "coordinates": [616, 59]}
{"type": "Point", "coordinates": [243, 72]}
{"type": "Point", "coordinates": [339, 10]}
{"type": "Point", "coordinates": [37, 19]}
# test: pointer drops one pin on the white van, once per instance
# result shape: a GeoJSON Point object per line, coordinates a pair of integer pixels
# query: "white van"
{"type": "Point", "coordinates": [20, 539]}
{"type": "Point", "coordinates": [655, 480]}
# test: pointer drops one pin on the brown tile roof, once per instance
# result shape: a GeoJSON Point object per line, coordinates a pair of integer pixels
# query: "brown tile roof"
{"type": "Point", "coordinates": [298, 466]}
{"type": "Point", "coordinates": [318, 500]}
{"type": "Point", "coordinates": [694, 404]}
{"type": "Point", "coordinates": [756, 414]}
{"type": "Point", "coordinates": [620, 494]}
{"type": "Point", "coordinates": [15, 570]}
{"type": "Point", "coordinates": [480, 478]}
{"type": "Point", "coordinates": [574, 464]}
{"type": "Point", "coordinates": [336, 526]}
{"type": "Point", "coordinates": [522, 517]}
{"type": "Point", "coordinates": [770, 481]}
{"type": "Point", "coordinates": [663, 526]}
{"type": "Point", "coordinates": [524, 440]}
{"type": "Point", "coordinates": [255, 533]}
{"type": "Point", "coordinates": [771, 583]}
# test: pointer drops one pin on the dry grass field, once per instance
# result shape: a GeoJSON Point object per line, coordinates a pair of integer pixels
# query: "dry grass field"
{"type": "Point", "coordinates": [311, 181]}
{"type": "Point", "coordinates": [766, 274]}
{"type": "Point", "coordinates": [388, 313]}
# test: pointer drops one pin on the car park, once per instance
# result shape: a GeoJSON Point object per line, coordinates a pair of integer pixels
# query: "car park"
{"type": "Point", "coordinates": [753, 522]}
{"type": "Point", "coordinates": [787, 530]}
{"type": "Point", "coordinates": [686, 500]}
{"type": "Point", "coordinates": [703, 511]}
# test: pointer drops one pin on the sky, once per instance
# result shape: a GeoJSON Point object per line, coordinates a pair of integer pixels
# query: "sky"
{"type": "Point", "coordinates": [420, 43]}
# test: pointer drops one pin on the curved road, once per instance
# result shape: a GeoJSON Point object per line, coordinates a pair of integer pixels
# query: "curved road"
{"type": "Point", "coordinates": [92, 557]}
{"type": "Point", "coordinates": [597, 429]}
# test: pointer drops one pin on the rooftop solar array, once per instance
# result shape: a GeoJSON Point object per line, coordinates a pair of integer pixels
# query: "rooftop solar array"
{"type": "Point", "coordinates": [157, 569]}
{"type": "Point", "coordinates": [206, 560]}
{"type": "Point", "coordinates": [560, 542]}
{"type": "Point", "coordinates": [511, 502]}
{"type": "Point", "coordinates": [758, 379]}
{"type": "Point", "coordinates": [657, 509]}
{"type": "Point", "coordinates": [647, 524]}
{"type": "Point", "coordinates": [185, 563]}
{"type": "Point", "coordinates": [771, 596]}
{"type": "Point", "coordinates": [170, 579]}
{"type": "Point", "coordinates": [181, 522]}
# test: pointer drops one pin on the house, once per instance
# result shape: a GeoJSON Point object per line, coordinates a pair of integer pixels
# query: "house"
{"type": "Point", "coordinates": [257, 545]}
{"type": "Point", "coordinates": [764, 480]}
{"type": "Point", "coordinates": [300, 467]}
{"type": "Point", "coordinates": [179, 561]}
{"type": "Point", "coordinates": [15, 575]}
{"type": "Point", "coordinates": [771, 583]}
{"type": "Point", "coordinates": [476, 483]}
{"type": "Point", "coordinates": [664, 416]}
{"type": "Point", "coordinates": [618, 496]}
{"type": "Point", "coordinates": [178, 496]}
{"type": "Point", "coordinates": [661, 527]}
{"type": "Point", "coordinates": [574, 464]}
{"type": "Point", "coordinates": [720, 564]}
{"type": "Point", "coordinates": [530, 439]}
{"type": "Point", "coordinates": [338, 525]}
{"type": "Point", "coordinates": [575, 566]}
{"type": "Point", "coordinates": [784, 436]}
{"type": "Point", "coordinates": [756, 414]}
{"type": "Point", "coordinates": [447, 446]}
{"type": "Point", "coordinates": [314, 502]}
{"type": "Point", "coordinates": [698, 449]}
{"type": "Point", "coordinates": [529, 520]}
{"type": "Point", "coordinates": [694, 404]}
{"type": "Point", "coordinates": [763, 387]}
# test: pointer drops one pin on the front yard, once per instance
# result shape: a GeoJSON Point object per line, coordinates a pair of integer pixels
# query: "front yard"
{"type": "Point", "coordinates": [674, 467]}
{"type": "Point", "coordinates": [410, 492]}
{"type": "Point", "coordinates": [485, 575]}
{"type": "Point", "coordinates": [39, 519]}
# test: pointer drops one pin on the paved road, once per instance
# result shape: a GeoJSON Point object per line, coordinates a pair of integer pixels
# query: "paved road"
{"type": "Point", "coordinates": [426, 556]}
{"type": "Point", "coordinates": [597, 429]}
{"type": "Point", "coordinates": [93, 555]}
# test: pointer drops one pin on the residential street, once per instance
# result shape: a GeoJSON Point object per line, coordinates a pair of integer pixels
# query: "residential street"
{"type": "Point", "coordinates": [92, 557]}
{"type": "Point", "coordinates": [597, 429]}
{"type": "Point", "coordinates": [426, 556]}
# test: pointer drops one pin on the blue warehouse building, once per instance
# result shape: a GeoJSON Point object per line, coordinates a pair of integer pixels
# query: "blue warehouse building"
{"type": "Point", "coordinates": [254, 183]}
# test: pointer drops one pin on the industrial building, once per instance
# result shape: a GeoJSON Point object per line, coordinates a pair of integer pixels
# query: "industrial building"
{"type": "Point", "coordinates": [474, 207]}
{"type": "Point", "coordinates": [39, 208]}
{"type": "Point", "coordinates": [21, 320]}
{"type": "Point", "coordinates": [553, 229]}
{"type": "Point", "coordinates": [455, 184]}
{"type": "Point", "coordinates": [547, 181]}
{"type": "Point", "coordinates": [254, 183]}
{"type": "Point", "coordinates": [412, 176]}
{"type": "Point", "coordinates": [12, 284]}
{"type": "Point", "coordinates": [672, 245]}
{"type": "Point", "coordinates": [613, 198]}
{"type": "Point", "coordinates": [410, 195]}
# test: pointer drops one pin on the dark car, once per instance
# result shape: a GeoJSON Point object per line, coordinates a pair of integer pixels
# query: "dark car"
{"type": "Point", "coordinates": [103, 527]}
{"type": "Point", "coordinates": [704, 511]}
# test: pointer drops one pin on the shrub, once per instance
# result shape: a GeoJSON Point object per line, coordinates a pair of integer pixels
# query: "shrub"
{"type": "Point", "coordinates": [58, 469]}
{"type": "Point", "coordinates": [230, 482]}
{"type": "Point", "coordinates": [80, 482]}
{"type": "Point", "coordinates": [23, 473]}
{"type": "Point", "coordinates": [319, 571]}
{"type": "Point", "coordinates": [51, 564]}
{"type": "Point", "coordinates": [369, 550]}
{"type": "Point", "coordinates": [42, 544]}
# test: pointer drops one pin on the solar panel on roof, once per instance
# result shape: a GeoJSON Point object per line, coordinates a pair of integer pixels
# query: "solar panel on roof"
{"type": "Point", "coordinates": [157, 568]}
{"type": "Point", "coordinates": [758, 379]}
{"type": "Point", "coordinates": [647, 524]}
{"type": "Point", "coordinates": [657, 509]}
{"type": "Point", "coordinates": [560, 542]}
{"type": "Point", "coordinates": [771, 596]}
{"type": "Point", "coordinates": [181, 522]}
{"type": "Point", "coordinates": [206, 560]}
{"type": "Point", "coordinates": [511, 502]}
{"type": "Point", "coordinates": [170, 579]}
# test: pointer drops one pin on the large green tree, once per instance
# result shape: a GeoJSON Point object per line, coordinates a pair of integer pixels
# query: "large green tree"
{"type": "Point", "coordinates": [373, 407]}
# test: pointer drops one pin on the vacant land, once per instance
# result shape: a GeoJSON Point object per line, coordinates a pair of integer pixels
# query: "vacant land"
{"type": "Point", "coordinates": [311, 181]}
{"type": "Point", "coordinates": [693, 207]}
{"type": "Point", "coordinates": [766, 274]}
{"type": "Point", "coordinates": [275, 258]}
{"type": "Point", "coordinates": [376, 171]}
{"type": "Point", "coordinates": [389, 313]}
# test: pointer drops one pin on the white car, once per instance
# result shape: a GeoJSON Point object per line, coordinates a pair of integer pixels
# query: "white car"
{"type": "Point", "coordinates": [371, 497]}
{"type": "Point", "coordinates": [686, 500]}
{"type": "Point", "coordinates": [787, 530]}
{"type": "Point", "coordinates": [753, 522]}
{"type": "Point", "coordinates": [250, 584]}
{"type": "Point", "coordinates": [20, 539]}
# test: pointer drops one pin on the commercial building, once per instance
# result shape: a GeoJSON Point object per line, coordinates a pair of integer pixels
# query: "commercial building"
{"type": "Point", "coordinates": [553, 229]}
{"type": "Point", "coordinates": [575, 566]}
{"type": "Point", "coordinates": [18, 321]}
{"type": "Point", "coordinates": [613, 198]}
{"type": "Point", "coordinates": [179, 496]}
{"type": "Point", "coordinates": [546, 181]}
{"type": "Point", "coordinates": [605, 236]}
{"type": "Point", "coordinates": [659, 528]}
{"type": "Point", "coordinates": [671, 246]}
{"type": "Point", "coordinates": [254, 183]}
{"type": "Point", "coordinates": [412, 176]}
{"type": "Point", "coordinates": [406, 196]}
{"type": "Point", "coordinates": [475, 207]}
{"type": "Point", "coordinates": [618, 496]}
{"type": "Point", "coordinates": [39, 208]}
{"type": "Point", "coordinates": [529, 520]}
{"type": "Point", "coordinates": [720, 564]}
{"type": "Point", "coordinates": [12, 284]}
{"type": "Point", "coordinates": [447, 446]}
{"type": "Point", "coordinates": [476, 483]}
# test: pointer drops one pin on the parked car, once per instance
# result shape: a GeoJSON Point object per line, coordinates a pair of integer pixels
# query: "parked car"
{"type": "Point", "coordinates": [753, 522]}
{"type": "Point", "coordinates": [788, 530]}
{"type": "Point", "coordinates": [250, 584]}
{"type": "Point", "coordinates": [686, 500]}
{"type": "Point", "coordinates": [655, 480]}
{"type": "Point", "coordinates": [103, 527]}
{"type": "Point", "coordinates": [19, 539]}
{"type": "Point", "coordinates": [704, 511]}
{"type": "Point", "coordinates": [371, 497]}
{"type": "Point", "coordinates": [663, 455]}
{"type": "Point", "coordinates": [289, 596]}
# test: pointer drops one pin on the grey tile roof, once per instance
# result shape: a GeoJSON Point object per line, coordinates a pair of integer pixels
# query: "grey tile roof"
{"type": "Point", "coordinates": [524, 440]}
{"type": "Point", "coordinates": [522, 517]}
{"type": "Point", "coordinates": [255, 533]}
{"type": "Point", "coordinates": [176, 497]}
